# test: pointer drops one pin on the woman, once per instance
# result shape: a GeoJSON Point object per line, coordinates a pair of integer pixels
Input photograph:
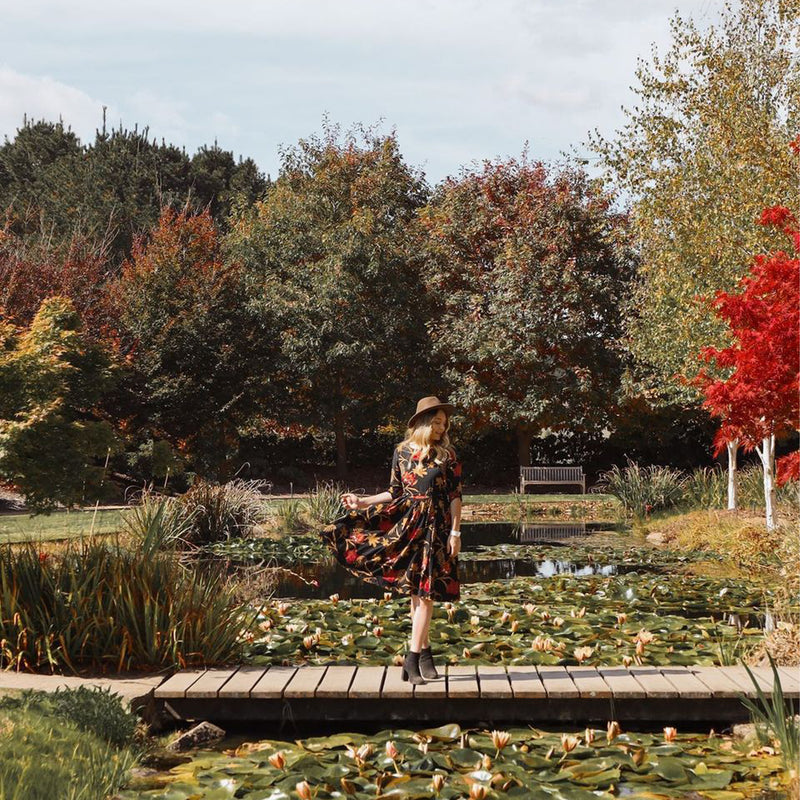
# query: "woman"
{"type": "Point", "coordinates": [408, 538]}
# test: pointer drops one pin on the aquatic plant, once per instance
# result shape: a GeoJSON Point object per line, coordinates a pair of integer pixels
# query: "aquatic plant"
{"type": "Point", "coordinates": [289, 515]}
{"type": "Point", "coordinates": [158, 523]}
{"type": "Point", "coordinates": [323, 503]}
{"type": "Point", "coordinates": [641, 490]}
{"type": "Point", "coordinates": [100, 605]}
{"type": "Point", "coordinates": [776, 716]}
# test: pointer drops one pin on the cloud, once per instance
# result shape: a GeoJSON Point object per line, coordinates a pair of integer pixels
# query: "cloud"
{"type": "Point", "coordinates": [42, 97]}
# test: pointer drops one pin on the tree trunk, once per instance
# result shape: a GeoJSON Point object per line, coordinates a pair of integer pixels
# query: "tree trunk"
{"type": "Point", "coordinates": [767, 455]}
{"type": "Point", "coordinates": [524, 436]}
{"type": "Point", "coordinates": [733, 448]}
{"type": "Point", "coordinates": [341, 445]}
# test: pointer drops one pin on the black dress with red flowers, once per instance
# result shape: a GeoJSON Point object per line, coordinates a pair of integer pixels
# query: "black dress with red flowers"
{"type": "Point", "coordinates": [402, 545]}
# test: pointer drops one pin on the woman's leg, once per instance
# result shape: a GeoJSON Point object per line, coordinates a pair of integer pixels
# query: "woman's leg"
{"type": "Point", "coordinates": [414, 606]}
{"type": "Point", "coordinates": [421, 623]}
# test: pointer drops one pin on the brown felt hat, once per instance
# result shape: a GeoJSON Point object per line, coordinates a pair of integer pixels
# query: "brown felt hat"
{"type": "Point", "coordinates": [428, 404]}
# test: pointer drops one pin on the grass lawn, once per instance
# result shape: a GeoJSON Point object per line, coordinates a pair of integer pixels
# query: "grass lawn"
{"type": "Point", "coordinates": [539, 498]}
{"type": "Point", "coordinates": [58, 525]}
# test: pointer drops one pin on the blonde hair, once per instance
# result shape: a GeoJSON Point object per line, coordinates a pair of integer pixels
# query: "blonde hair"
{"type": "Point", "coordinates": [418, 436]}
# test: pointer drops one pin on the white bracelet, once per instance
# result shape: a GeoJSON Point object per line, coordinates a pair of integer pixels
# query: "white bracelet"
{"type": "Point", "coordinates": [455, 533]}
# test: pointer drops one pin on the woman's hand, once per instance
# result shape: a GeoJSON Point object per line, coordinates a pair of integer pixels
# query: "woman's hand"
{"type": "Point", "coordinates": [350, 500]}
{"type": "Point", "coordinates": [454, 545]}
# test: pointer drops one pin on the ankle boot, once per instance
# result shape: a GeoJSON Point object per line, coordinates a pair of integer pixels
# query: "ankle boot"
{"type": "Point", "coordinates": [426, 666]}
{"type": "Point", "coordinates": [411, 668]}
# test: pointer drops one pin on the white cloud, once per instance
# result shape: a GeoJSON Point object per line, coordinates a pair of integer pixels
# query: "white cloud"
{"type": "Point", "coordinates": [46, 98]}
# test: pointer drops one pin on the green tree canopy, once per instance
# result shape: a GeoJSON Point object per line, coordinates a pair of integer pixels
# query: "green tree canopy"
{"type": "Point", "coordinates": [333, 258]}
{"type": "Point", "coordinates": [527, 270]}
{"type": "Point", "coordinates": [52, 379]}
{"type": "Point", "coordinates": [703, 151]}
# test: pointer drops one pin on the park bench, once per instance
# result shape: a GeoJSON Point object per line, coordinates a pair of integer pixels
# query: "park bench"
{"type": "Point", "coordinates": [551, 475]}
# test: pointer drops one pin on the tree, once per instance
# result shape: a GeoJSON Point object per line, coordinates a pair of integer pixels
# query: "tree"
{"type": "Point", "coordinates": [527, 270]}
{"type": "Point", "coordinates": [52, 379]}
{"type": "Point", "coordinates": [194, 354]}
{"type": "Point", "coordinates": [703, 151]}
{"type": "Point", "coordinates": [758, 400]}
{"type": "Point", "coordinates": [333, 259]}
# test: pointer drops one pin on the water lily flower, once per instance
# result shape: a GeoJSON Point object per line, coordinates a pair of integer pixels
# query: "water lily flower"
{"type": "Point", "coordinates": [529, 608]}
{"type": "Point", "coordinates": [477, 791]}
{"type": "Point", "coordinates": [582, 653]}
{"type": "Point", "coordinates": [466, 653]}
{"type": "Point", "coordinates": [334, 598]}
{"type": "Point", "coordinates": [644, 636]}
{"type": "Point", "coordinates": [365, 751]}
{"type": "Point", "coordinates": [569, 742]}
{"type": "Point", "coordinates": [387, 595]}
{"type": "Point", "coordinates": [277, 760]}
{"type": "Point", "coordinates": [558, 622]}
{"type": "Point", "coordinates": [475, 621]}
{"type": "Point", "coordinates": [514, 626]}
{"type": "Point", "coordinates": [613, 731]}
{"type": "Point", "coordinates": [500, 739]}
{"type": "Point", "coordinates": [437, 782]}
{"type": "Point", "coordinates": [348, 639]}
{"type": "Point", "coordinates": [639, 648]}
{"type": "Point", "coordinates": [549, 753]}
{"type": "Point", "coordinates": [545, 615]}
{"type": "Point", "coordinates": [265, 625]}
{"type": "Point", "coordinates": [303, 790]}
{"type": "Point", "coordinates": [378, 630]}
{"type": "Point", "coordinates": [283, 609]}
{"type": "Point", "coordinates": [485, 763]}
{"type": "Point", "coordinates": [670, 734]}
{"type": "Point", "coordinates": [309, 642]}
{"type": "Point", "coordinates": [622, 618]}
{"type": "Point", "coordinates": [626, 661]}
{"type": "Point", "coordinates": [505, 617]}
{"type": "Point", "coordinates": [581, 612]}
{"type": "Point", "coordinates": [589, 735]}
{"type": "Point", "coordinates": [392, 751]}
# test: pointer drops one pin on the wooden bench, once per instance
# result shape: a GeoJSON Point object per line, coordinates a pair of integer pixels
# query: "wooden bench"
{"type": "Point", "coordinates": [551, 475]}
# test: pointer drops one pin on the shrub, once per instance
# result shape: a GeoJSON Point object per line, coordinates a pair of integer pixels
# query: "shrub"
{"type": "Point", "coordinates": [288, 513]}
{"type": "Point", "coordinates": [706, 488]}
{"type": "Point", "coordinates": [44, 757]}
{"type": "Point", "coordinates": [109, 608]}
{"type": "Point", "coordinates": [644, 489]}
{"type": "Point", "coordinates": [95, 710]}
{"type": "Point", "coordinates": [324, 503]}
{"type": "Point", "coordinates": [158, 523]}
{"type": "Point", "coordinates": [221, 512]}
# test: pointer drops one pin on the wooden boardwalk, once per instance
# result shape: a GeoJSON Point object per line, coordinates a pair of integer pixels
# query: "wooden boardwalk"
{"type": "Point", "coordinates": [669, 694]}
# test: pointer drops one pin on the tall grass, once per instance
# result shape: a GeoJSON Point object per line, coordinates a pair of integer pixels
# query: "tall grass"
{"type": "Point", "coordinates": [641, 490]}
{"type": "Point", "coordinates": [324, 503]}
{"type": "Point", "coordinates": [221, 512]}
{"type": "Point", "coordinates": [101, 606]}
{"type": "Point", "coordinates": [289, 516]}
{"type": "Point", "coordinates": [158, 523]}
{"type": "Point", "coordinates": [775, 717]}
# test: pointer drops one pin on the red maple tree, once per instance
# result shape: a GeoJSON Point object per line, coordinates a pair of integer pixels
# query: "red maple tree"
{"type": "Point", "coordinates": [758, 401]}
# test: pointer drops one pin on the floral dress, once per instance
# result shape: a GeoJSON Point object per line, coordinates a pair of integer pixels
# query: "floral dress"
{"type": "Point", "coordinates": [402, 545]}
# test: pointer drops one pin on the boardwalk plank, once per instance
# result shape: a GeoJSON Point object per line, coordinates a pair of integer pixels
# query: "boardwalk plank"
{"type": "Point", "coordinates": [790, 679]}
{"type": "Point", "coordinates": [526, 683]}
{"type": "Point", "coordinates": [589, 681]}
{"type": "Point", "coordinates": [762, 674]}
{"type": "Point", "coordinates": [336, 682]}
{"type": "Point", "coordinates": [557, 682]}
{"type": "Point", "coordinates": [304, 682]}
{"type": "Point", "coordinates": [272, 683]}
{"type": "Point", "coordinates": [652, 681]}
{"type": "Point", "coordinates": [242, 682]}
{"type": "Point", "coordinates": [462, 681]}
{"type": "Point", "coordinates": [209, 683]}
{"type": "Point", "coordinates": [685, 682]}
{"type": "Point", "coordinates": [367, 683]}
{"type": "Point", "coordinates": [622, 684]}
{"type": "Point", "coordinates": [494, 682]}
{"type": "Point", "coordinates": [393, 685]}
{"type": "Point", "coordinates": [177, 685]}
{"type": "Point", "coordinates": [433, 689]}
{"type": "Point", "coordinates": [719, 682]}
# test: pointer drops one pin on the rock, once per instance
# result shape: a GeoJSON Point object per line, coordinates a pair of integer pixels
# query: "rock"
{"type": "Point", "coordinates": [743, 730]}
{"type": "Point", "coordinates": [204, 733]}
{"type": "Point", "coordinates": [656, 537]}
{"type": "Point", "coordinates": [161, 760]}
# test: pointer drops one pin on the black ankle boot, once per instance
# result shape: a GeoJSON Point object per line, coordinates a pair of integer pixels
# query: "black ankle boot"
{"type": "Point", "coordinates": [411, 668]}
{"type": "Point", "coordinates": [426, 666]}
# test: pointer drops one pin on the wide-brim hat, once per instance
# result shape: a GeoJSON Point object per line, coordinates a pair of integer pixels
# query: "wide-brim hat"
{"type": "Point", "coordinates": [429, 404]}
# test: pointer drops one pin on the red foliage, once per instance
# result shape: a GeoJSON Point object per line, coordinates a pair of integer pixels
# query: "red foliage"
{"type": "Point", "coordinates": [30, 274]}
{"type": "Point", "coordinates": [788, 468]}
{"type": "Point", "coordinates": [760, 397]}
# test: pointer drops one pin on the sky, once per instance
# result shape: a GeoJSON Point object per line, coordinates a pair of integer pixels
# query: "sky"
{"type": "Point", "coordinates": [458, 80]}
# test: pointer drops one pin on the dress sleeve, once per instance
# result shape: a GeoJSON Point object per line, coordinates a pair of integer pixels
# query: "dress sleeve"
{"type": "Point", "coordinates": [454, 479]}
{"type": "Point", "coordinates": [396, 478]}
